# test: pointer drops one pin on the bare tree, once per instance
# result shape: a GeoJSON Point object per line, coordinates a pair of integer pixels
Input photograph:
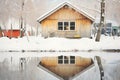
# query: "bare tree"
{"type": "Point", "coordinates": [37, 30]}
{"type": "Point", "coordinates": [98, 59]}
{"type": "Point", "coordinates": [21, 24]}
{"type": "Point", "coordinates": [32, 32]}
{"type": "Point", "coordinates": [0, 32]}
{"type": "Point", "coordinates": [11, 32]}
{"type": "Point", "coordinates": [101, 20]}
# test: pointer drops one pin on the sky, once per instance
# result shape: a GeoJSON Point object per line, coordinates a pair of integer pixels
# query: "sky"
{"type": "Point", "coordinates": [11, 9]}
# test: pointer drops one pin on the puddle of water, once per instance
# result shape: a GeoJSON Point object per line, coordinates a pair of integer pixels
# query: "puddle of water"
{"type": "Point", "coordinates": [66, 66]}
{"type": "Point", "coordinates": [24, 66]}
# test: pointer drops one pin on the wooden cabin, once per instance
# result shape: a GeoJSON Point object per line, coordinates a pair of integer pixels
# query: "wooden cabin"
{"type": "Point", "coordinates": [66, 66]}
{"type": "Point", "coordinates": [66, 20]}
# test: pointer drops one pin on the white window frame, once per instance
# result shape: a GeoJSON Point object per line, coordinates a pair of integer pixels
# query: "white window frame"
{"type": "Point", "coordinates": [63, 60]}
{"type": "Point", "coordinates": [68, 25]}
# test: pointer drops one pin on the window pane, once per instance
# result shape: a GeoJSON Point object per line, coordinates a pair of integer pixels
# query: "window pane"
{"type": "Point", "coordinates": [60, 28]}
{"type": "Point", "coordinates": [72, 61]}
{"type": "Point", "coordinates": [72, 28]}
{"type": "Point", "coordinates": [60, 61]}
{"type": "Point", "coordinates": [65, 61]}
{"type": "Point", "coordinates": [66, 26]}
{"type": "Point", "coordinates": [60, 25]}
{"type": "Point", "coordinates": [72, 25]}
{"type": "Point", "coordinates": [66, 58]}
{"type": "Point", "coordinates": [60, 57]}
{"type": "Point", "coordinates": [72, 57]}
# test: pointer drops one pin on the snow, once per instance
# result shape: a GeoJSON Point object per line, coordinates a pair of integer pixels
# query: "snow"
{"type": "Point", "coordinates": [10, 61]}
{"type": "Point", "coordinates": [39, 43]}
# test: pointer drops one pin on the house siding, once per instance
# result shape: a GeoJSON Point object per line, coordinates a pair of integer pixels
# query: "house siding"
{"type": "Point", "coordinates": [66, 70]}
{"type": "Point", "coordinates": [50, 24]}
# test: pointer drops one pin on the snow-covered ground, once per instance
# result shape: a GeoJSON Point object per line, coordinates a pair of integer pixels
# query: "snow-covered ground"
{"type": "Point", "coordinates": [39, 43]}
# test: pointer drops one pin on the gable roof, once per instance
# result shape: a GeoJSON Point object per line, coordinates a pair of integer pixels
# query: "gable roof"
{"type": "Point", "coordinates": [62, 5]}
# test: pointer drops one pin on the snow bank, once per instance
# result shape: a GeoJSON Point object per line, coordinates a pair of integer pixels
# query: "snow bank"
{"type": "Point", "coordinates": [39, 43]}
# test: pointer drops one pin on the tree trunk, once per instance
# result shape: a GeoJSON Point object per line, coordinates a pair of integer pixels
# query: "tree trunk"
{"type": "Point", "coordinates": [1, 32]}
{"type": "Point", "coordinates": [100, 67]}
{"type": "Point", "coordinates": [37, 31]}
{"type": "Point", "coordinates": [101, 21]}
{"type": "Point", "coordinates": [98, 34]}
{"type": "Point", "coordinates": [21, 28]}
{"type": "Point", "coordinates": [21, 25]}
{"type": "Point", "coordinates": [11, 32]}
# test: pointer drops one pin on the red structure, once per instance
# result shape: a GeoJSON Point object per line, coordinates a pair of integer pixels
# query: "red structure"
{"type": "Point", "coordinates": [11, 33]}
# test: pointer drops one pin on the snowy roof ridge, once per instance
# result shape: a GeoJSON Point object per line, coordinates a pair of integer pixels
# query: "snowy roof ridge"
{"type": "Point", "coordinates": [60, 6]}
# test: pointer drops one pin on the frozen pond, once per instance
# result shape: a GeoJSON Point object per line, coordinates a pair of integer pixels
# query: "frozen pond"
{"type": "Point", "coordinates": [11, 67]}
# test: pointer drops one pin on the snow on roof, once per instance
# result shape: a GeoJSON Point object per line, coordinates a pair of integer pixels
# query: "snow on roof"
{"type": "Point", "coordinates": [60, 6]}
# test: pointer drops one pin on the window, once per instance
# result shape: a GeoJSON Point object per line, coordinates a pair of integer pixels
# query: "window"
{"type": "Point", "coordinates": [60, 25]}
{"type": "Point", "coordinates": [66, 59]}
{"type": "Point", "coordinates": [60, 60]}
{"type": "Point", "coordinates": [66, 26]}
{"type": "Point", "coordinates": [72, 59]}
{"type": "Point", "coordinates": [72, 25]}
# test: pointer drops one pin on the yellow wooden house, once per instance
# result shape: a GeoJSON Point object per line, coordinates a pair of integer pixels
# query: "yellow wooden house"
{"type": "Point", "coordinates": [66, 66]}
{"type": "Point", "coordinates": [66, 20]}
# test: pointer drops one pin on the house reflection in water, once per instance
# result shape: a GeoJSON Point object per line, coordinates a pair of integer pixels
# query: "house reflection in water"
{"type": "Point", "coordinates": [66, 66]}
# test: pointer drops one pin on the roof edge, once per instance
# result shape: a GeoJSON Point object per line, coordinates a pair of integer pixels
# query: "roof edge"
{"type": "Point", "coordinates": [60, 6]}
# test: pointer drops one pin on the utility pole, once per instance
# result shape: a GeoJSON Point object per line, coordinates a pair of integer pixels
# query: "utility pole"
{"type": "Point", "coordinates": [102, 19]}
